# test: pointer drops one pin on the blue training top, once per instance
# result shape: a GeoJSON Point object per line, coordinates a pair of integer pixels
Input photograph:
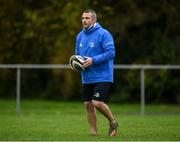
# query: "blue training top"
{"type": "Point", "coordinates": [98, 44]}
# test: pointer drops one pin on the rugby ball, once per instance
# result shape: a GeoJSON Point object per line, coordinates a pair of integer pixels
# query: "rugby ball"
{"type": "Point", "coordinates": [76, 62]}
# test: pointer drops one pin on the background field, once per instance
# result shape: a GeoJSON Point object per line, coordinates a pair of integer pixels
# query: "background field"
{"type": "Point", "coordinates": [47, 120]}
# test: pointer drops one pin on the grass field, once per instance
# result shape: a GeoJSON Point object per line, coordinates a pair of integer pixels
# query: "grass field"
{"type": "Point", "coordinates": [66, 121]}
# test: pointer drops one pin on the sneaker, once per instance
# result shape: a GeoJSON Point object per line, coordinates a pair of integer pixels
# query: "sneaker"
{"type": "Point", "coordinates": [113, 128]}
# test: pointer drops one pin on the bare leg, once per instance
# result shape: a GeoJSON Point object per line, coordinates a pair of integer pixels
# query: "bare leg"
{"type": "Point", "coordinates": [104, 109]}
{"type": "Point", "coordinates": [91, 117]}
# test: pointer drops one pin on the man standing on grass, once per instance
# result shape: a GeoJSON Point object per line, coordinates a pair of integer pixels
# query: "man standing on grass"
{"type": "Point", "coordinates": [97, 45]}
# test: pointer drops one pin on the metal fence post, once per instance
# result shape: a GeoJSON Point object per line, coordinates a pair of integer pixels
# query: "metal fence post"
{"type": "Point", "coordinates": [142, 68]}
{"type": "Point", "coordinates": [142, 92]}
{"type": "Point", "coordinates": [18, 85]}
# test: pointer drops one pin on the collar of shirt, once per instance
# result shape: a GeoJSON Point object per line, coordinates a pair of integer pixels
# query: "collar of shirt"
{"type": "Point", "coordinates": [89, 28]}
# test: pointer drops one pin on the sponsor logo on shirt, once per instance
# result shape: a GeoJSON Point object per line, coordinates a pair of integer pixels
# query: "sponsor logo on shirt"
{"type": "Point", "coordinates": [91, 44]}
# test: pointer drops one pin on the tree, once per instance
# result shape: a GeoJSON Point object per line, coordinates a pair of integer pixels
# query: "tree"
{"type": "Point", "coordinates": [43, 32]}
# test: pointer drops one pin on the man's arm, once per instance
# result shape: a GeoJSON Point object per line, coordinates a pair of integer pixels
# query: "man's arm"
{"type": "Point", "coordinates": [109, 50]}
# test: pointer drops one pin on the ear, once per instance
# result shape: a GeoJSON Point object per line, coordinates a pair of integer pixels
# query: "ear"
{"type": "Point", "coordinates": [94, 21]}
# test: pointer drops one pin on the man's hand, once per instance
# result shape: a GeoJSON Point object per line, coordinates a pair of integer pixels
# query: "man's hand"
{"type": "Point", "coordinates": [87, 62]}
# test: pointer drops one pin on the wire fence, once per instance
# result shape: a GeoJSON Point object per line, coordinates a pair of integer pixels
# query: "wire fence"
{"type": "Point", "coordinates": [142, 69]}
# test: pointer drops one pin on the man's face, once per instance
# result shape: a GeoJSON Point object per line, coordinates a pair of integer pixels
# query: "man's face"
{"type": "Point", "coordinates": [87, 20]}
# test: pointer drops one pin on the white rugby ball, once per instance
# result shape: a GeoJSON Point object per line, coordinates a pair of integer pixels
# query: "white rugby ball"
{"type": "Point", "coordinates": [76, 62]}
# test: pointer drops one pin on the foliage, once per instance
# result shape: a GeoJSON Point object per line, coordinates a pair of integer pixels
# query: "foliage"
{"type": "Point", "coordinates": [43, 32]}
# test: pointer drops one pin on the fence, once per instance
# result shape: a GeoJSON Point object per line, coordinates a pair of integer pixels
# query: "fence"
{"type": "Point", "coordinates": [142, 69]}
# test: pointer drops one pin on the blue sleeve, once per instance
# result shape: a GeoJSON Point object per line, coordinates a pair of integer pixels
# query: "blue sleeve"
{"type": "Point", "coordinates": [108, 48]}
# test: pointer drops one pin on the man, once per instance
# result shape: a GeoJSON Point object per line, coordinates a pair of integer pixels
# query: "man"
{"type": "Point", "coordinates": [97, 46]}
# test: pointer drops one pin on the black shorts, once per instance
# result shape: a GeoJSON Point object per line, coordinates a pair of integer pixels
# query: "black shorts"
{"type": "Point", "coordinates": [96, 91]}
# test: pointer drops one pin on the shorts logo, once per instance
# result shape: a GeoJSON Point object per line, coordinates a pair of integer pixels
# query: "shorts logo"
{"type": "Point", "coordinates": [97, 95]}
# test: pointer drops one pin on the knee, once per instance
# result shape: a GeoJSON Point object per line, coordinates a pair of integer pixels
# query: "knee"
{"type": "Point", "coordinates": [89, 106]}
{"type": "Point", "coordinates": [97, 104]}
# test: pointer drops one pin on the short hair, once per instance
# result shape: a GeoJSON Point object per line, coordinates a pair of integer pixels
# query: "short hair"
{"type": "Point", "coordinates": [94, 15]}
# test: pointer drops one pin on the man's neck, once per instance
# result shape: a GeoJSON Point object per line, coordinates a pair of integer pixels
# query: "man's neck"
{"type": "Point", "coordinates": [90, 27]}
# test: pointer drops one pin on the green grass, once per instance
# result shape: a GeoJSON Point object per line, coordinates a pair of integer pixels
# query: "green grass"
{"type": "Point", "coordinates": [66, 121]}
